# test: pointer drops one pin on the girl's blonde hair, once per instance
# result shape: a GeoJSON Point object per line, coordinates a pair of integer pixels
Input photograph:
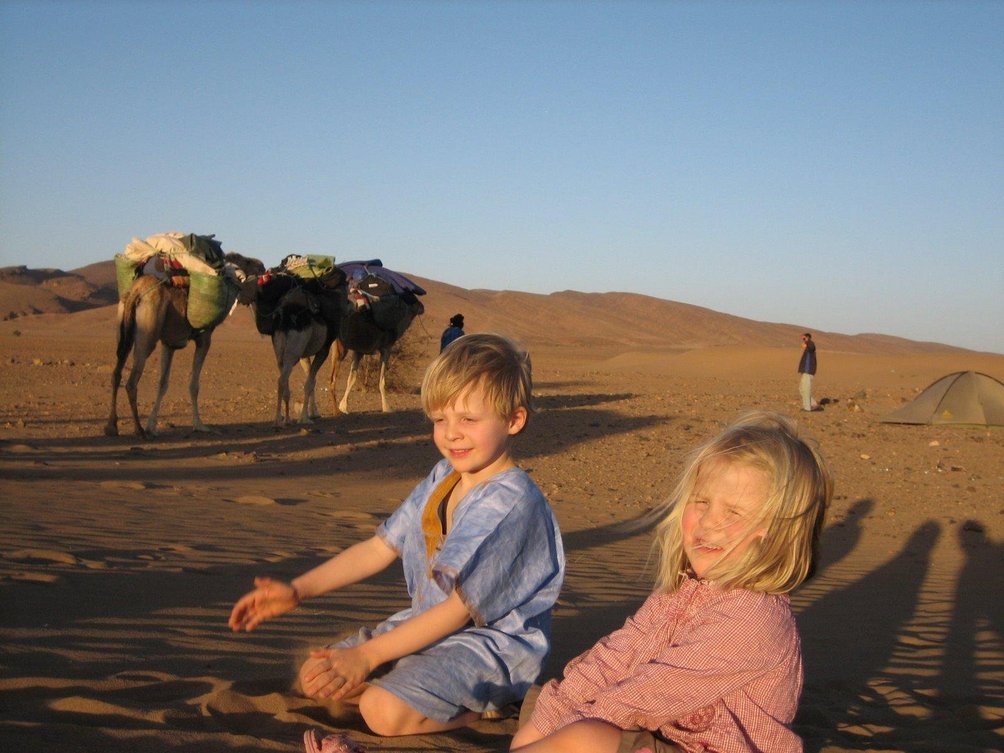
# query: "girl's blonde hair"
{"type": "Point", "coordinates": [492, 362]}
{"type": "Point", "coordinates": [791, 518]}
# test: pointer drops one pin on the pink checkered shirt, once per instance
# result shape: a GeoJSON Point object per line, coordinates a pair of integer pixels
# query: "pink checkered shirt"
{"type": "Point", "coordinates": [711, 671]}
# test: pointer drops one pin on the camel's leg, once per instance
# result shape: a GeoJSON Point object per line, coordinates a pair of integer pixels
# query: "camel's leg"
{"type": "Point", "coordinates": [142, 348]}
{"type": "Point", "coordinates": [384, 365]}
{"type": "Point", "coordinates": [307, 364]}
{"type": "Point", "coordinates": [308, 387]}
{"type": "Point", "coordinates": [343, 405]}
{"type": "Point", "coordinates": [112, 427]}
{"type": "Point", "coordinates": [340, 353]}
{"type": "Point", "coordinates": [202, 343]}
{"type": "Point", "coordinates": [125, 341]}
{"type": "Point", "coordinates": [166, 356]}
{"type": "Point", "coordinates": [281, 345]}
{"type": "Point", "coordinates": [313, 412]}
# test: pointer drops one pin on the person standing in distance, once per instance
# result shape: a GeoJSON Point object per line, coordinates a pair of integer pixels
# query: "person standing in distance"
{"type": "Point", "coordinates": [451, 333]}
{"type": "Point", "coordinates": [807, 368]}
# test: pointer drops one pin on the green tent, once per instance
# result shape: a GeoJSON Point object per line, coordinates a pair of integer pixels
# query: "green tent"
{"type": "Point", "coordinates": [965, 397]}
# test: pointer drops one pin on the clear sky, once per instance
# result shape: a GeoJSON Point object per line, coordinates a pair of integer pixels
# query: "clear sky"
{"type": "Point", "coordinates": [835, 165]}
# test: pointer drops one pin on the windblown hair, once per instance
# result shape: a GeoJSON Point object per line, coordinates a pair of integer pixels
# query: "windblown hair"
{"type": "Point", "coordinates": [492, 362]}
{"type": "Point", "coordinates": [791, 518]}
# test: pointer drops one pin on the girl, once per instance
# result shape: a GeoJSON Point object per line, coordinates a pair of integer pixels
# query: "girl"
{"type": "Point", "coordinates": [482, 557]}
{"type": "Point", "coordinates": [711, 661]}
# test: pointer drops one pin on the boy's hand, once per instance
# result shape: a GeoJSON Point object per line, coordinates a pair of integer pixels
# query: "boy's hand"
{"type": "Point", "coordinates": [334, 672]}
{"type": "Point", "coordinates": [270, 598]}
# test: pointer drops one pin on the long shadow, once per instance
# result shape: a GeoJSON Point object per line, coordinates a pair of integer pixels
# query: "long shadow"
{"type": "Point", "coordinates": [840, 539]}
{"type": "Point", "coordinates": [400, 448]}
{"type": "Point", "coordinates": [601, 536]}
{"type": "Point", "coordinates": [557, 402]}
{"type": "Point", "coordinates": [841, 673]}
{"type": "Point", "coordinates": [970, 680]}
{"type": "Point", "coordinates": [347, 428]}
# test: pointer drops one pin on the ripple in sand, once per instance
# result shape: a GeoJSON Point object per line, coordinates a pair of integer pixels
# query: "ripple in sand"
{"type": "Point", "coordinates": [45, 579]}
{"type": "Point", "coordinates": [42, 556]}
{"type": "Point", "coordinates": [131, 485]}
{"type": "Point", "coordinates": [18, 448]}
{"type": "Point", "coordinates": [50, 557]}
{"type": "Point", "coordinates": [254, 499]}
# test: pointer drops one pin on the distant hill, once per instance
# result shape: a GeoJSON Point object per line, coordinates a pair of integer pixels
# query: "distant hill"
{"type": "Point", "coordinates": [25, 291]}
{"type": "Point", "coordinates": [606, 321]}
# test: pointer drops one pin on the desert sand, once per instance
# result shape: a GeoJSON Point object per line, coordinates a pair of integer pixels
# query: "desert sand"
{"type": "Point", "coordinates": [121, 558]}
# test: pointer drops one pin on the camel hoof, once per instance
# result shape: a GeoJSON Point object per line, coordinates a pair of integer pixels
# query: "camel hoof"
{"type": "Point", "coordinates": [111, 430]}
{"type": "Point", "coordinates": [203, 429]}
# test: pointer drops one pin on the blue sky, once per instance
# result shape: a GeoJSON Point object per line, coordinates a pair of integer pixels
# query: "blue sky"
{"type": "Point", "coordinates": [835, 165]}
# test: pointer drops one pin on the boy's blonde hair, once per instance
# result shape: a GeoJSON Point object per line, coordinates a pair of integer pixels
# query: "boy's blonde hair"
{"type": "Point", "coordinates": [791, 518]}
{"type": "Point", "coordinates": [496, 364]}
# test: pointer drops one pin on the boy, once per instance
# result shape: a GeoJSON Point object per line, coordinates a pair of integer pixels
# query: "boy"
{"type": "Point", "coordinates": [482, 558]}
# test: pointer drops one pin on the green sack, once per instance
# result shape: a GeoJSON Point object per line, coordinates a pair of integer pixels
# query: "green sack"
{"type": "Point", "coordinates": [126, 272]}
{"type": "Point", "coordinates": [311, 266]}
{"type": "Point", "coordinates": [210, 299]}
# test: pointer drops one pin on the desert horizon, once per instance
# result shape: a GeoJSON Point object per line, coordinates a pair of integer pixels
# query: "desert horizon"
{"type": "Point", "coordinates": [623, 318]}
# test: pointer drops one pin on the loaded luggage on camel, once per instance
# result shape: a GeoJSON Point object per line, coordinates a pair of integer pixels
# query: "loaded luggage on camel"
{"type": "Point", "coordinates": [173, 289]}
{"type": "Point", "coordinates": [387, 295]}
{"type": "Point", "coordinates": [183, 260]}
{"type": "Point", "coordinates": [381, 306]}
{"type": "Point", "coordinates": [300, 286]}
{"type": "Point", "coordinates": [308, 303]}
{"type": "Point", "coordinates": [300, 305]}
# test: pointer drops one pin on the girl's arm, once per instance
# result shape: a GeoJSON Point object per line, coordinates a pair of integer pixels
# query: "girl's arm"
{"type": "Point", "coordinates": [270, 598]}
{"type": "Point", "coordinates": [587, 674]}
{"type": "Point", "coordinates": [338, 671]}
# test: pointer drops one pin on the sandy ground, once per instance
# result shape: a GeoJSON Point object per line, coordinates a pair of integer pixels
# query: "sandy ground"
{"type": "Point", "coordinates": [121, 558]}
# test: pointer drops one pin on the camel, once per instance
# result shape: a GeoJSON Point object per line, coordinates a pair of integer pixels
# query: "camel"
{"type": "Point", "coordinates": [155, 311]}
{"type": "Point", "coordinates": [372, 325]}
{"type": "Point", "coordinates": [302, 317]}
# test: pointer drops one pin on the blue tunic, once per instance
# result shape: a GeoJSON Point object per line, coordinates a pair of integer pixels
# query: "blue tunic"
{"type": "Point", "coordinates": [504, 556]}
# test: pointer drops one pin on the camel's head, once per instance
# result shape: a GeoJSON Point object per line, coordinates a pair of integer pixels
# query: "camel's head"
{"type": "Point", "coordinates": [245, 270]}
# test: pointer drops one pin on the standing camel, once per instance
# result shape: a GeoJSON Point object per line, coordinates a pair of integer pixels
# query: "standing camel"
{"type": "Point", "coordinates": [303, 317]}
{"type": "Point", "coordinates": [373, 324]}
{"type": "Point", "coordinates": [155, 311]}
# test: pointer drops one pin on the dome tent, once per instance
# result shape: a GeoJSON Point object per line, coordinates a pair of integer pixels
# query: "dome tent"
{"type": "Point", "coordinates": [964, 397]}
